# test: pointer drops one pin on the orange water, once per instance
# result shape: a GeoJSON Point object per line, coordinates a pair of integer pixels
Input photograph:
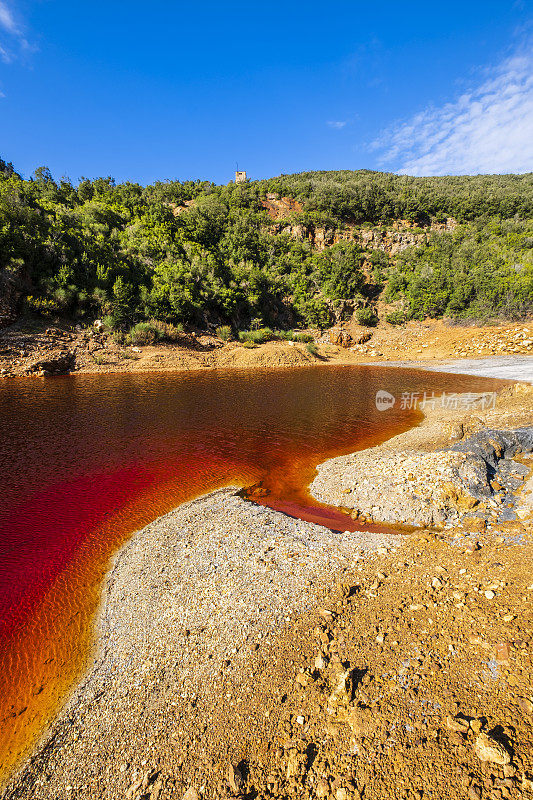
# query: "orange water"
{"type": "Point", "coordinates": [86, 460]}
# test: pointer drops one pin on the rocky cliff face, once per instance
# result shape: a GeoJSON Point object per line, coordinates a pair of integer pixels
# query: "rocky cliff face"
{"type": "Point", "coordinates": [401, 235]}
{"type": "Point", "coordinates": [391, 241]}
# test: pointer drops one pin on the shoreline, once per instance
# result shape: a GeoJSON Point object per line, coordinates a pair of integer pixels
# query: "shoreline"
{"type": "Point", "coordinates": [276, 537]}
{"type": "Point", "coordinates": [509, 368]}
{"type": "Point", "coordinates": [513, 368]}
{"type": "Point", "coordinates": [59, 350]}
{"type": "Point", "coordinates": [267, 548]}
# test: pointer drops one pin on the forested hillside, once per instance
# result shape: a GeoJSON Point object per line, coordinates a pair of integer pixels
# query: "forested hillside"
{"type": "Point", "coordinates": [129, 254]}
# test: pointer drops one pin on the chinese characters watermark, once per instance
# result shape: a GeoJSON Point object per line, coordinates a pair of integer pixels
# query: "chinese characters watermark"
{"type": "Point", "coordinates": [422, 400]}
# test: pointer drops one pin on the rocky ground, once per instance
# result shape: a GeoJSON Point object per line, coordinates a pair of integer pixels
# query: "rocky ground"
{"type": "Point", "coordinates": [241, 653]}
{"type": "Point", "coordinates": [473, 480]}
{"type": "Point", "coordinates": [36, 349]}
{"type": "Point", "coordinates": [433, 339]}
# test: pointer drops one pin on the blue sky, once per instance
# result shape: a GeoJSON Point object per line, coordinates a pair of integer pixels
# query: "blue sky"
{"type": "Point", "coordinates": [146, 91]}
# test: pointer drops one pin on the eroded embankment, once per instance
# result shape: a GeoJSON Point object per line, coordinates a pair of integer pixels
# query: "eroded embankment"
{"type": "Point", "coordinates": [211, 651]}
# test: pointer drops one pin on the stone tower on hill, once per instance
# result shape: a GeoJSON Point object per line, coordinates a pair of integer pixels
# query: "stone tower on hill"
{"type": "Point", "coordinates": [240, 177]}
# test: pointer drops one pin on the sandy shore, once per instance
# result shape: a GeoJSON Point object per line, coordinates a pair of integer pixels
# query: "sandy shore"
{"type": "Point", "coordinates": [193, 642]}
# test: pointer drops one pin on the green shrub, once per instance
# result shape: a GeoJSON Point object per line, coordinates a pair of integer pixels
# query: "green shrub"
{"type": "Point", "coordinates": [142, 333]}
{"type": "Point", "coordinates": [99, 299]}
{"type": "Point", "coordinates": [110, 322]}
{"type": "Point", "coordinates": [248, 343]}
{"type": "Point", "coordinates": [64, 298]}
{"type": "Point", "coordinates": [119, 337]}
{"type": "Point", "coordinates": [287, 336]}
{"type": "Point", "coordinates": [396, 318]}
{"type": "Point", "coordinates": [165, 331]}
{"type": "Point", "coordinates": [41, 305]}
{"type": "Point", "coordinates": [256, 337]}
{"type": "Point", "coordinates": [154, 331]}
{"type": "Point", "coordinates": [312, 348]}
{"type": "Point", "coordinates": [291, 336]}
{"type": "Point", "coordinates": [224, 332]}
{"type": "Point", "coordinates": [366, 316]}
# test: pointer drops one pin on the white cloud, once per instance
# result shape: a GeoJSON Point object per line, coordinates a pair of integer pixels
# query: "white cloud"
{"type": "Point", "coordinates": [13, 38]}
{"type": "Point", "coordinates": [7, 21]}
{"type": "Point", "coordinates": [486, 130]}
{"type": "Point", "coordinates": [336, 124]}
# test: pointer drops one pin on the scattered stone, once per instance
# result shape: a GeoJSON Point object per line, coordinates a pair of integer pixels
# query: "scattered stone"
{"type": "Point", "coordinates": [235, 779]}
{"type": "Point", "coordinates": [525, 705]}
{"type": "Point", "coordinates": [502, 652]}
{"type": "Point", "coordinates": [320, 662]}
{"type": "Point", "coordinates": [488, 749]}
{"type": "Point", "coordinates": [457, 724]}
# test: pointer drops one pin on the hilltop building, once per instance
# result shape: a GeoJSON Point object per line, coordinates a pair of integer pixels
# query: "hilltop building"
{"type": "Point", "coordinates": [240, 177]}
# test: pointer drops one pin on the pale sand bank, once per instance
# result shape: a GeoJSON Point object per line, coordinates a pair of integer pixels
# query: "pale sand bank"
{"type": "Point", "coordinates": [509, 368]}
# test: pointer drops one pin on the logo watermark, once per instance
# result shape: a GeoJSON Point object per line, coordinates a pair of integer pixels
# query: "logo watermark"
{"type": "Point", "coordinates": [384, 400]}
{"type": "Point", "coordinates": [422, 400]}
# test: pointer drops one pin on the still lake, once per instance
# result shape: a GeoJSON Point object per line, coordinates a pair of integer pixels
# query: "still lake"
{"type": "Point", "coordinates": [86, 460]}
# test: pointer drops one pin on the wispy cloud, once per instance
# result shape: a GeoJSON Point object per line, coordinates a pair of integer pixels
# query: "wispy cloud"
{"type": "Point", "coordinates": [486, 130]}
{"type": "Point", "coordinates": [7, 21]}
{"type": "Point", "coordinates": [336, 124]}
{"type": "Point", "coordinates": [12, 38]}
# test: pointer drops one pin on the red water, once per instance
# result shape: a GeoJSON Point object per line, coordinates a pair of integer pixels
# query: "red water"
{"type": "Point", "coordinates": [86, 460]}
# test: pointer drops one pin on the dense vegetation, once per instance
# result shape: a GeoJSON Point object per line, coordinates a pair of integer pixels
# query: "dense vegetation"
{"type": "Point", "coordinates": [484, 270]}
{"type": "Point", "coordinates": [379, 197]}
{"type": "Point", "coordinates": [123, 253]}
